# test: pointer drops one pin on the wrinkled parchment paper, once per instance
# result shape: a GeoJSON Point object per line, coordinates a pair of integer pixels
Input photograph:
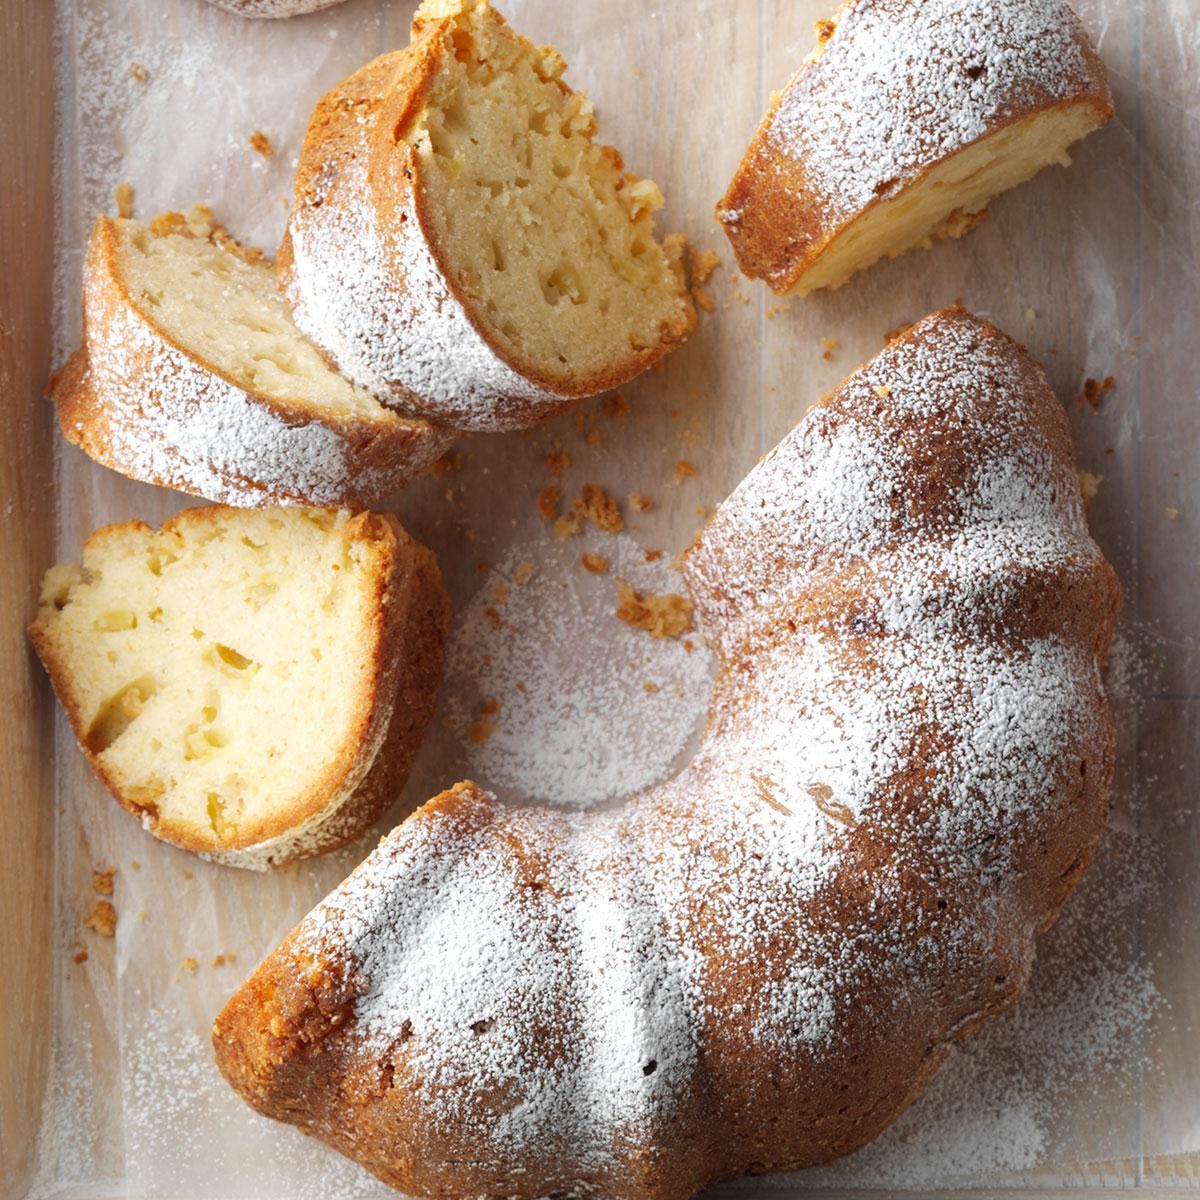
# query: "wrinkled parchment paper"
{"type": "Point", "coordinates": [1095, 1077]}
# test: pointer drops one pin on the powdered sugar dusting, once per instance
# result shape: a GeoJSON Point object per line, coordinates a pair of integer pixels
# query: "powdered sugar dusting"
{"type": "Point", "coordinates": [587, 709]}
{"type": "Point", "coordinates": [378, 303]}
{"type": "Point", "coordinates": [900, 86]}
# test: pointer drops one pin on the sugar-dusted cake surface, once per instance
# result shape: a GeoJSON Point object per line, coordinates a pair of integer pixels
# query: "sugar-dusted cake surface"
{"type": "Point", "coordinates": [760, 963]}
{"type": "Point", "coordinates": [461, 243]}
{"type": "Point", "coordinates": [900, 128]}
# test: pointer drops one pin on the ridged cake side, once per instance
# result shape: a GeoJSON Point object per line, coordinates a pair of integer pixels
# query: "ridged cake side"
{"type": "Point", "coordinates": [759, 964]}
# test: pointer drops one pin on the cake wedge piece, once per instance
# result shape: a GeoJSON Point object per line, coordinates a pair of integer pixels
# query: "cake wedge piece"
{"type": "Point", "coordinates": [900, 128]}
{"type": "Point", "coordinates": [192, 376]}
{"type": "Point", "coordinates": [460, 243]}
{"type": "Point", "coordinates": [253, 686]}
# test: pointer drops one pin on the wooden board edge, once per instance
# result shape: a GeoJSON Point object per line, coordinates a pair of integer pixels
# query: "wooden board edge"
{"type": "Point", "coordinates": [27, 524]}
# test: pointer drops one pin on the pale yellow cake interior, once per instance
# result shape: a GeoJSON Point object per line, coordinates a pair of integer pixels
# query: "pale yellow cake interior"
{"type": "Point", "coordinates": [223, 305]}
{"type": "Point", "coordinates": [953, 196]}
{"type": "Point", "coordinates": [219, 668]}
{"type": "Point", "coordinates": [543, 228]}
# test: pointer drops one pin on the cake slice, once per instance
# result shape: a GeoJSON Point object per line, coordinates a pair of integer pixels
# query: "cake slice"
{"type": "Point", "coordinates": [192, 376]}
{"type": "Point", "coordinates": [901, 126]}
{"type": "Point", "coordinates": [253, 686]}
{"type": "Point", "coordinates": [460, 243]}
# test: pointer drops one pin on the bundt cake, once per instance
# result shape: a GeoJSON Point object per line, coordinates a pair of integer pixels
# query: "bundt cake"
{"type": "Point", "coordinates": [192, 376]}
{"type": "Point", "coordinates": [901, 126]}
{"type": "Point", "coordinates": [458, 241]}
{"type": "Point", "coordinates": [252, 685]}
{"type": "Point", "coordinates": [758, 964]}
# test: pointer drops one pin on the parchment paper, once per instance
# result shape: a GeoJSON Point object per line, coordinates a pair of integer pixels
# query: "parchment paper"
{"type": "Point", "coordinates": [1095, 1078]}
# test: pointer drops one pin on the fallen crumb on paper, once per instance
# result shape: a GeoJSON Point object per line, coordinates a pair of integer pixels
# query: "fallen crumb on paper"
{"type": "Point", "coordinates": [596, 505]}
{"type": "Point", "coordinates": [548, 500]}
{"type": "Point", "coordinates": [684, 470]}
{"type": "Point", "coordinates": [102, 919]}
{"type": "Point", "coordinates": [665, 616]}
{"type": "Point", "coordinates": [189, 964]}
{"type": "Point", "coordinates": [261, 144]}
{"type": "Point", "coordinates": [640, 503]}
{"type": "Point", "coordinates": [1172, 514]}
{"type": "Point", "coordinates": [1089, 485]}
{"type": "Point", "coordinates": [124, 200]}
{"type": "Point", "coordinates": [1094, 391]}
{"type": "Point", "coordinates": [138, 72]}
{"type": "Point", "coordinates": [102, 881]}
{"type": "Point", "coordinates": [557, 461]}
{"type": "Point", "coordinates": [597, 564]}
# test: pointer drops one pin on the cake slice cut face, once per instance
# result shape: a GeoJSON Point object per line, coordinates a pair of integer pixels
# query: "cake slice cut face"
{"type": "Point", "coordinates": [900, 128]}
{"type": "Point", "coordinates": [460, 240]}
{"type": "Point", "coordinates": [193, 376]}
{"type": "Point", "coordinates": [759, 963]}
{"type": "Point", "coordinates": [251, 685]}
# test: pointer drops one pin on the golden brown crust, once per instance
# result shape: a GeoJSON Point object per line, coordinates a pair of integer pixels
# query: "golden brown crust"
{"type": "Point", "coordinates": [137, 401]}
{"type": "Point", "coordinates": [782, 211]}
{"type": "Point", "coordinates": [404, 646]}
{"type": "Point", "coordinates": [924, 902]}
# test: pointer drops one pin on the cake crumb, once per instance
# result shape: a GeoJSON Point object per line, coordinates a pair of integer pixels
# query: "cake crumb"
{"type": "Point", "coordinates": [650, 688]}
{"type": "Point", "coordinates": [883, 391]}
{"type": "Point", "coordinates": [1031, 315]}
{"type": "Point", "coordinates": [218, 960]}
{"type": "Point", "coordinates": [557, 462]}
{"type": "Point", "coordinates": [1172, 514]}
{"type": "Point", "coordinates": [1094, 391]}
{"type": "Point", "coordinates": [548, 500]}
{"type": "Point", "coordinates": [80, 955]}
{"type": "Point", "coordinates": [1089, 485]}
{"type": "Point", "coordinates": [103, 919]}
{"type": "Point", "coordinates": [187, 875]}
{"type": "Point", "coordinates": [618, 407]}
{"type": "Point", "coordinates": [102, 881]}
{"type": "Point", "coordinates": [483, 726]}
{"type": "Point", "coordinates": [261, 144]}
{"type": "Point", "coordinates": [825, 30]}
{"type": "Point", "coordinates": [653, 555]}
{"type": "Point", "coordinates": [124, 197]}
{"type": "Point", "coordinates": [138, 72]}
{"type": "Point", "coordinates": [189, 964]}
{"type": "Point", "coordinates": [665, 616]}
{"type": "Point", "coordinates": [828, 346]}
{"type": "Point", "coordinates": [701, 266]}
{"type": "Point", "coordinates": [523, 573]}
{"type": "Point", "coordinates": [594, 437]}
{"type": "Point", "coordinates": [597, 506]}
{"type": "Point", "coordinates": [136, 865]}
{"type": "Point", "coordinates": [493, 616]}
{"type": "Point", "coordinates": [500, 593]}
{"type": "Point", "coordinates": [640, 503]}
{"type": "Point", "coordinates": [597, 564]}
{"type": "Point", "coordinates": [684, 470]}
{"type": "Point", "coordinates": [568, 525]}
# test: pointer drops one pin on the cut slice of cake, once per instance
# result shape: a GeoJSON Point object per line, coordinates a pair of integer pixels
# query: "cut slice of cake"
{"type": "Point", "coordinates": [460, 243]}
{"type": "Point", "coordinates": [193, 376]}
{"type": "Point", "coordinates": [900, 128]}
{"type": "Point", "coordinates": [252, 685]}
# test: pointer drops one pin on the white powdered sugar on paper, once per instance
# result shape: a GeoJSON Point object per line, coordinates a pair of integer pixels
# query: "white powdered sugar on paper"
{"type": "Point", "coordinates": [900, 86]}
{"type": "Point", "coordinates": [274, 8]}
{"type": "Point", "coordinates": [588, 709]}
